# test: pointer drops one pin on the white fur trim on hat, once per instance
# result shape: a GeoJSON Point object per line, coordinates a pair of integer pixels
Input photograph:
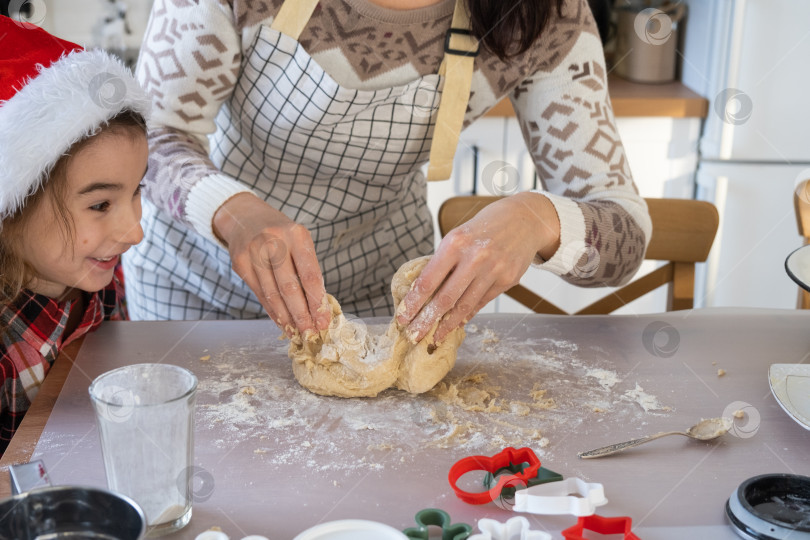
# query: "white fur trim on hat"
{"type": "Point", "coordinates": [65, 103]}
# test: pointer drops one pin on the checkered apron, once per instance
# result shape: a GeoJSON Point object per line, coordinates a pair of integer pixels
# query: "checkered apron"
{"type": "Point", "coordinates": [344, 163]}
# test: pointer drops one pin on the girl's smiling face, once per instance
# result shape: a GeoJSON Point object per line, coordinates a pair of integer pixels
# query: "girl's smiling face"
{"type": "Point", "coordinates": [102, 197]}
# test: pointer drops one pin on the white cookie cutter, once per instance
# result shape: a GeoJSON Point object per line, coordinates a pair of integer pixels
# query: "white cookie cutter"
{"type": "Point", "coordinates": [570, 496]}
{"type": "Point", "coordinates": [212, 535]}
{"type": "Point", "coordinates": [516, 528]}
{"type": "Point", "coordinates": [219, 535]}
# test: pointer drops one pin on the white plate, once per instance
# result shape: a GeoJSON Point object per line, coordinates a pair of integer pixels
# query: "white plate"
{"type": "Point", "coordinates": [351, 529]}
{"type": "Point", "coordinates": [790, 384]}
{"type": "Point", "coordinates": [797, 265]}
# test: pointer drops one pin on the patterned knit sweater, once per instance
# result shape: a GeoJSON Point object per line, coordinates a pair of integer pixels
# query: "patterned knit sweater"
{"type": "Point", "coordinates": [191, 56]}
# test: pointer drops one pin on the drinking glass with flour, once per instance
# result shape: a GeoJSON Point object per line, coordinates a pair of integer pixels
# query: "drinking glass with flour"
{"type": "Point", "coordinates": [145, 417]}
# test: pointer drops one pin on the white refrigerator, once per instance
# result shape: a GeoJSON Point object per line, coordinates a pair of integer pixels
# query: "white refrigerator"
{"type": "Point", "coordinates": [751, 59]}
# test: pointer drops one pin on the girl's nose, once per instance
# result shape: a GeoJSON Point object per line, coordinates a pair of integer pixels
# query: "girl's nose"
{"type": "Point", "coordinates": [134, 234]}
{"type": "Point", "coordinates": [131, 231]}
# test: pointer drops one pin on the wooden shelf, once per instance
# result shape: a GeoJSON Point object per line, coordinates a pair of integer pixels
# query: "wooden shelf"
{"type": "Point", "coordinates": [631, 99]}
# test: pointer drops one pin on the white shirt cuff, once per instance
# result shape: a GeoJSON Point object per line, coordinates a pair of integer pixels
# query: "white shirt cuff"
{"type": "Point", "coordinates": [204, 200]}
{"type": "Point", "coordinates": [572, 235]}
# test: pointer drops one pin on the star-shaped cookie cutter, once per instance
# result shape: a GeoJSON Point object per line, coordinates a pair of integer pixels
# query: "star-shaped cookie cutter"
{"type": "Point", "coordinates": [570, 496]}
{"type": "Point", "coordinates": [602, 525]}
{"type": "Point", "coordinates": [507, 457]}
{"type": "Point", "coordinates": [434, 516]}
{"type": "Point", "coordinates": [516, 528]}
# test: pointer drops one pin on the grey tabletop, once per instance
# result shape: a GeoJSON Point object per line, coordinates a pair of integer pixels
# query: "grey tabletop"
{"type": "Point", "coordinates": [273, 459]}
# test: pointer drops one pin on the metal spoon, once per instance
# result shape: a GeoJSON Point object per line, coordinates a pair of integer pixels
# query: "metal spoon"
{"type": "Point", "coordinates": [705, 430]}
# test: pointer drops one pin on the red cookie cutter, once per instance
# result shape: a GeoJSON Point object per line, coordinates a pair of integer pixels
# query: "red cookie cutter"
{"type": "Point", "coordinates": [601, 525]}
{"type": "Point", "coordinates": [505, 458]}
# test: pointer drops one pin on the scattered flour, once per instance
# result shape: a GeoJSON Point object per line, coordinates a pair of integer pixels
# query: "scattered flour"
{"type": "Point", "coordinates": [248, 401]}
{"type": "Point", "coordinates": [607, 379]}
{"type": "Point", "coordinates": [648, 402]}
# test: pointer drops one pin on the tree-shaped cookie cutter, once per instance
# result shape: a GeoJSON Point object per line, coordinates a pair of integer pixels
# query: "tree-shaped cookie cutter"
{"type": "Point", "coordinates": [570, 496]}
{"type": "Point", "coordinates": [516, 528]}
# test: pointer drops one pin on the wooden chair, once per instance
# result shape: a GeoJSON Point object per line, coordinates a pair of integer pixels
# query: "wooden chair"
{"type": "Point", "coordinates": [682, 234]}
{"type": "Point", "coordinates": [801, 203]}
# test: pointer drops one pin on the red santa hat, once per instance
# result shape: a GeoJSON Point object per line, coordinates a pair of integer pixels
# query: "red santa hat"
{"type": "Point", "coordinates": [53, 93]}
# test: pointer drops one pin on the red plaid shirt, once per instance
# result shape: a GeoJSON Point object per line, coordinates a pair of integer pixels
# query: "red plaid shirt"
{"type": "Point", "coordinates": [34, 335]}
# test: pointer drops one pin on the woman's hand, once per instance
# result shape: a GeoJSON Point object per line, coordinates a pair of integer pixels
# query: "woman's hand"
{"type": "Point", "coordinates": [276, 258]}
{"type": "Point", "coordinates": [478, 261]}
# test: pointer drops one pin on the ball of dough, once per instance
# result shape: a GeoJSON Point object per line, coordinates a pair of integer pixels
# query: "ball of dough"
{"type": "Point", "coordinates": [344, 360]}
{"type": "Point", "coordinates": [424, 364]}
{"type": "Point", "coordinates": [347, 360]}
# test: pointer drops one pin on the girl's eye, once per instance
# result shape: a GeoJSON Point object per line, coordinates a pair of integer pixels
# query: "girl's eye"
{"type": "Point", "coordinates": [100, 207]}
{"type": "Point", "coordinates": [138, 189]}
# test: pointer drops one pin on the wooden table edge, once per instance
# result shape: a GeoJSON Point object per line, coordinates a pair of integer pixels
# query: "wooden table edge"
{"type": "Point", "coordinates": [25, 440]}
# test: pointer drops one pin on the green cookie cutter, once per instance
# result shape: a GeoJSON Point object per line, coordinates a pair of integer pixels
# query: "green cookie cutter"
{"type": "Point", "coordinates": [544, 476]}
{"type": "Point", "coordinates": [434, 516]}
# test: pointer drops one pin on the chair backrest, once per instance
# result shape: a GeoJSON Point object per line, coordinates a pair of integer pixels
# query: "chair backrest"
{"type": "Point", "coordinates": [801, 203]}
{"type": "Point", "coordinates": [683, 231]}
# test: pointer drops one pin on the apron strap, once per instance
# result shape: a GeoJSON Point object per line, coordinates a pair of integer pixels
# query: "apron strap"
{"type": "Point", "coordinates": [460, 50]}
{"type": "Point", "coordinates": [293, 17]}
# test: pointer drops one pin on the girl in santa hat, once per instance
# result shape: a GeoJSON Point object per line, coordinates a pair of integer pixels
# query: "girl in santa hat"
{"type": "Point", "coordinates": [73, 152]}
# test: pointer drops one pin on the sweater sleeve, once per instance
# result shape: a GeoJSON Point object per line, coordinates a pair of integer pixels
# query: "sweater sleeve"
{"type": "Point", "coordinates": [188, 65]}
{"type": "Point", "coordinates": [567, 121]}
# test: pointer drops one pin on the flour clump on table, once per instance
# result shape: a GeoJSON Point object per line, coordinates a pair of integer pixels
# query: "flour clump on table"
{"type": "Point", "coordinates": [349, 360]}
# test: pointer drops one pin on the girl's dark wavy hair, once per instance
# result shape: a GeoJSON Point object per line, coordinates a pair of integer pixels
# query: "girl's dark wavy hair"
{"type": "Point", "coordinates": [508, 28]}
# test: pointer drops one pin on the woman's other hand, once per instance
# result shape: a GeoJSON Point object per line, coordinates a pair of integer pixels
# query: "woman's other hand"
{"type": "Point", "coordinates": [479, 260]}
{"type": "Point", "coordinates": [276, 258]}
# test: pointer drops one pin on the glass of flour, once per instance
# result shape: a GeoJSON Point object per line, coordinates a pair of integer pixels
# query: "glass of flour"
{"type": "Point", "coordinates": [145, 417]}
